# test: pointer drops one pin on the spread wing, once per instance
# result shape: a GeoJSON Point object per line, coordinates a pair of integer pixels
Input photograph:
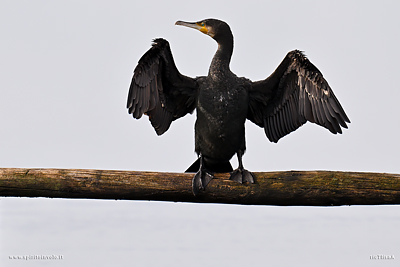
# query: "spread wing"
{"type": "Point", "coordinates": [295, 93]}
{"type": "Point", "coordinates": [159, 90]}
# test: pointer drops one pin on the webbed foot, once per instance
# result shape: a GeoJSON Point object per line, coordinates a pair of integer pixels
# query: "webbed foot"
{"type": "Point", "coordinates": [201, 180]}
{"type": "Point", "coordinates": [241, 175]}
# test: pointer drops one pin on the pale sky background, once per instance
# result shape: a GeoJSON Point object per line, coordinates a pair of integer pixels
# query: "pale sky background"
{"type": "Point", "coordinates": [65, 70]}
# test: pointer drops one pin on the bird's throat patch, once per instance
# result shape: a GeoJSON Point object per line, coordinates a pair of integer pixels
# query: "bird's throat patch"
{"type": "Point", "coordinates": [204, 30]}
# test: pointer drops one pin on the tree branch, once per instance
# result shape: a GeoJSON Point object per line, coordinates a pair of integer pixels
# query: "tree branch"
{"type": "Point", "coordinates": [291, 188]}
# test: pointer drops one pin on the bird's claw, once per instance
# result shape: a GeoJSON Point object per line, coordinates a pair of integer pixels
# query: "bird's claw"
{"type": "Point", "coordinates": [242, 176]}
{"type": "Point", "coordinates": [200, 181]}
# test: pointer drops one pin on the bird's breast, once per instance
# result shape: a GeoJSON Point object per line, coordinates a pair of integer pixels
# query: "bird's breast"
{"type": "Point", "coordinates": [221, 113]}
{"type": "Point", "coordinates": [222, 106]}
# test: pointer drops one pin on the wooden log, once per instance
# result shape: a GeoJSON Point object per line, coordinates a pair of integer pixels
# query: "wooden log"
{"type": "Point", "coordinates": [289, 188]}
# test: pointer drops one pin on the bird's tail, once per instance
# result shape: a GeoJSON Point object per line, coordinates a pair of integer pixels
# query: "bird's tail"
{"type": "Point", "coordinates": [214, 167]}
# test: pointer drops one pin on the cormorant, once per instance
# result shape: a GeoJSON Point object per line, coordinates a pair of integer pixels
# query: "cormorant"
{"type": "Point", "coordinates": [293, 94]}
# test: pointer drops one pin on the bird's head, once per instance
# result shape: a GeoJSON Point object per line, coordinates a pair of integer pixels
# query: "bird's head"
{"type": "Point", "coordinates": [215, 28]}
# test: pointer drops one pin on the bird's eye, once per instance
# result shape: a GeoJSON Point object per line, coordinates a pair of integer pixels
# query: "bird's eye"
{"type": "Point", "coordinates": [202, 24]}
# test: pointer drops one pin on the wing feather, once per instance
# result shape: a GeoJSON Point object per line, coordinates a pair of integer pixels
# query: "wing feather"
{"type": "Point", "coordinates": [159, 90]}
{"type": "Point", "coordinates": [295, 93]}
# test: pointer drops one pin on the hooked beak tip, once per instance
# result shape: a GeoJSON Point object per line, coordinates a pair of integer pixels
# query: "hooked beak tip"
{"type": "Point", "coordinates": [187, 24]}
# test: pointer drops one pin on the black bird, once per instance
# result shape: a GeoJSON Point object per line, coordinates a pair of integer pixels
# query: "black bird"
{"type": "Point", "coordinates": [293, 94]}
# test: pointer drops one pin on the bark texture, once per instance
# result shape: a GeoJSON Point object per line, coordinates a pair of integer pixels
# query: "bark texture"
{"type": "Point", "coordinates": [289, 188]}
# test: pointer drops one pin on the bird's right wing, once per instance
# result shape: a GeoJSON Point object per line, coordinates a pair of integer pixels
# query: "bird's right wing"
{"type": "Point", "coordinates": [159, 90]}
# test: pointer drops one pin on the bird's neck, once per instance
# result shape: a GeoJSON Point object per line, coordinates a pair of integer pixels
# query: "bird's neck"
{"type": "Point", "coordinates": [222, 57]}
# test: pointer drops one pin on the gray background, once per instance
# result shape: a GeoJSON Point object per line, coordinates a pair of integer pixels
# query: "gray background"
{"type": "Point", "coordinates": [65, 69]}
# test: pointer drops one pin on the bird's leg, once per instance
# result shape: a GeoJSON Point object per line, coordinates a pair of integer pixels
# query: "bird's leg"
{"type": "Point", "coordinates": [241, 175]}
{"type": "Point", "coordinates": [201, 178]}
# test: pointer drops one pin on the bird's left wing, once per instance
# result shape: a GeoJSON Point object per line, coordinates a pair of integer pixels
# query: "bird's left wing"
{"type": "Point", "coordinates": [159, 90]}
{"type": "Point", "coordinates": [295, 93]}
